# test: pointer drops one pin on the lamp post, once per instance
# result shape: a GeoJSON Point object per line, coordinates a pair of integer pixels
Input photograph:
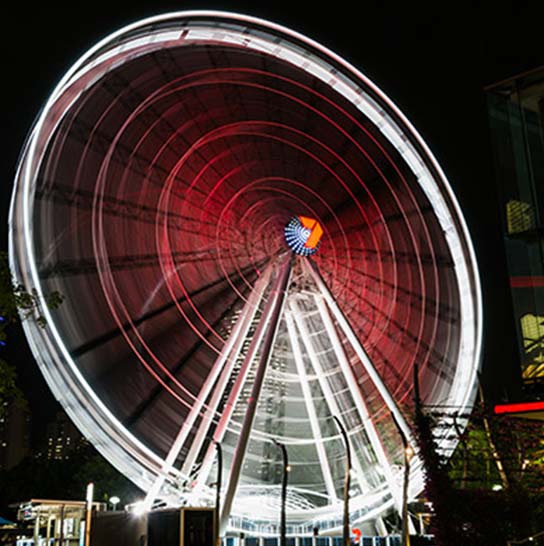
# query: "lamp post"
{"type": "Point", "coordinates": [218, 491]}
{"type": "Point", "coordinates": [285, 472]}
{"type": "Point", "coordinates": [114, 501]}
{"type": "Point", "coordinates": [408, 453]}
{"type": "Point", "coordinates": [88, 513]}
{"type": "Point", "coordinates": [347, 481]}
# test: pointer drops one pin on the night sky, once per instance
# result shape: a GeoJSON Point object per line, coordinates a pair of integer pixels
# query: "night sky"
{"type": "Point", "coordinates": [433, 64]}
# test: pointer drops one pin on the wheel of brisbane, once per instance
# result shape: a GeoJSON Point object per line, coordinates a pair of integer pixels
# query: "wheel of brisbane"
{"type": "Point", "coordinates": [251, 240]}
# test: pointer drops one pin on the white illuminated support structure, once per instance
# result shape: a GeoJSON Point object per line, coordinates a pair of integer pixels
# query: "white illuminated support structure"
{"type": "Point", "coordinates": [224, 364]}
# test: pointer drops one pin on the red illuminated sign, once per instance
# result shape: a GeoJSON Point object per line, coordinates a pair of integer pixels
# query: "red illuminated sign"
{"type": "Point", "coordinates": [316, 231]}
{"type": "Point", "coordinates": [520, 407]}
{"type": "Point", "coordinates": [532, 281]}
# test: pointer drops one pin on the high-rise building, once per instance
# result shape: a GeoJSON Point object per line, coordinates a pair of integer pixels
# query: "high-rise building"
{"type": "Point", "coordinates": [62, 437]}
{"type": "Point", "coordinates": [14, 433]}
{"type": "Point", "coordinates": [516, 116]}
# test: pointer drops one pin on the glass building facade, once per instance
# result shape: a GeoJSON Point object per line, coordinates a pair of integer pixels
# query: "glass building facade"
{"type": "Point", "coordinates": [516, 116]}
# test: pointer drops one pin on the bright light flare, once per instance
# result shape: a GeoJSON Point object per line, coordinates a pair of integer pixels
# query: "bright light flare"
{"type": "Point", "coordinates": [139, 508]}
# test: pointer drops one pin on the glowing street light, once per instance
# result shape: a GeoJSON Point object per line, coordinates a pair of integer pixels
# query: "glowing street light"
{"type": "Point", "coordinates": [114, 501]}
{"type": "Point", "coordinates": [139, 508]}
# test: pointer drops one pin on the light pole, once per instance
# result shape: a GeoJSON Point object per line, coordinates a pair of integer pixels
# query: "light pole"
{"type": "Point", "coordinates": [285, 472]}
{"type": "Point", "coordinates": [114, 501]}
{"type": "Point", "coordinates": [218, 491]}
{"type": "Point", "coordinates": [347, 481]}
{"type": "Point", "coordinates": [88, 513]}
{"type": "Point", "coordinates": [408, 453]}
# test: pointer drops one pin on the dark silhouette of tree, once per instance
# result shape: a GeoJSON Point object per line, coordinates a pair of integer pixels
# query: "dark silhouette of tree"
{"type": "Point", "coordinates": [65, 479]}
{"type": "Point", "coordinates": [17, 304]}
{"type": "Point", "coordinates": [475, 500]}
{"type": "Point", "coordinates": [438, 487]}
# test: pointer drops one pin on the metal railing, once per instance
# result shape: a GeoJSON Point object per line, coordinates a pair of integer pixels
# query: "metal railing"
{"type": "Point", "coordinates": [391, 540]}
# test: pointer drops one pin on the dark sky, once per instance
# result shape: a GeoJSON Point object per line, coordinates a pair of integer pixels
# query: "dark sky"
{"type": "Point", "coordinates": [432, 63]}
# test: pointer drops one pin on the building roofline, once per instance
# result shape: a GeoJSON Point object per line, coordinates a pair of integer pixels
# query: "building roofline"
{"type": "Point", "coordinates": [493, 86]}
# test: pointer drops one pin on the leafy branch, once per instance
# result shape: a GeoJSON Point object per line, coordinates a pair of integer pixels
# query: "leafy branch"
{"type": "Point", "coordinates": [17, 304]}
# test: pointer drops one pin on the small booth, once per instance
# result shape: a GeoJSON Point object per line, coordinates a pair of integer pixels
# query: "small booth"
{"type": "Point", "coordinates": [56, 522]}
{"type": "Point", "coordinates": [165, 527]}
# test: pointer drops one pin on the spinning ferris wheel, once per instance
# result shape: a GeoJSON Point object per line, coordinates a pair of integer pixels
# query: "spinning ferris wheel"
{"type": "Point", "coordinates": [251, 239]}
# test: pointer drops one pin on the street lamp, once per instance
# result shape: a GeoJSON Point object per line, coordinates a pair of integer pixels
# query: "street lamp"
{"type": "Point", "coordinates": [139, 508]}
{"type": "Point", "coordinates": [347, 481]}
{"type": "Point", "coordinates": [88, 513]}
{"type": "Point", "coordinates": [218, 490]}
{"type": "Point", "coordinates": [114, 501]}
{"type": "Point", "coordinates": [286, 470]}
{"type": "Point", "coordinates": [408, 455]}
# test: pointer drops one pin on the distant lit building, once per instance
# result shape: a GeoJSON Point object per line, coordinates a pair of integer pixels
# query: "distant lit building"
{"type": "Point", "coordinates": [62, 438]}
{"type": "Point", "coordinates": [14, 434]}
{"type": "Point", "coordinates": [516, 115]}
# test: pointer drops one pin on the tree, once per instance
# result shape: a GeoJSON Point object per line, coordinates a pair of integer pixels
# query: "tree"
{"type": "Point", "coordinates": [493, 502]}
{"type": "Point", "coordinates": [446, 523]}
{"type": "Point", "coordinates": [90, 466]}
{"type": "Point", "coordinates": [17, 304]}
{"type": "Point", "coordinates": [518, 444]}
{"type": "Point", "coordinates": [472, 514]}
{"type": "Point", "coordinates": [49, 478]}
{"type": "Point", "coordinates": [39, 477]}
{"type": "Point", "coordinates": [8, 387]}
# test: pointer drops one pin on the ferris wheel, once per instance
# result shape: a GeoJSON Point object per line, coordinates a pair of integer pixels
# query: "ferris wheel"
{"type": "Point", "coordinates": [251, 240]}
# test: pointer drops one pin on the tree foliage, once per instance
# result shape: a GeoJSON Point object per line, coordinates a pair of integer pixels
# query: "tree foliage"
{"type": "Point", "coordinates": [8, 385]}
{"type": "Point", "coordinates": [492, 488]}
{"type": "Point", "coordinates": [16, 304]}
{"type": "Point", "coordinates": [39, 477]}
{"type": "Point", "coordinates": [445, 524]}
{"type": "Point", "coordinates": [520, 446]}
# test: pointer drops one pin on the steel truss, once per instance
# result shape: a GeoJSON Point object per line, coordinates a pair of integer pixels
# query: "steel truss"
{"type": "Point", "coordinates": [291, 311]}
